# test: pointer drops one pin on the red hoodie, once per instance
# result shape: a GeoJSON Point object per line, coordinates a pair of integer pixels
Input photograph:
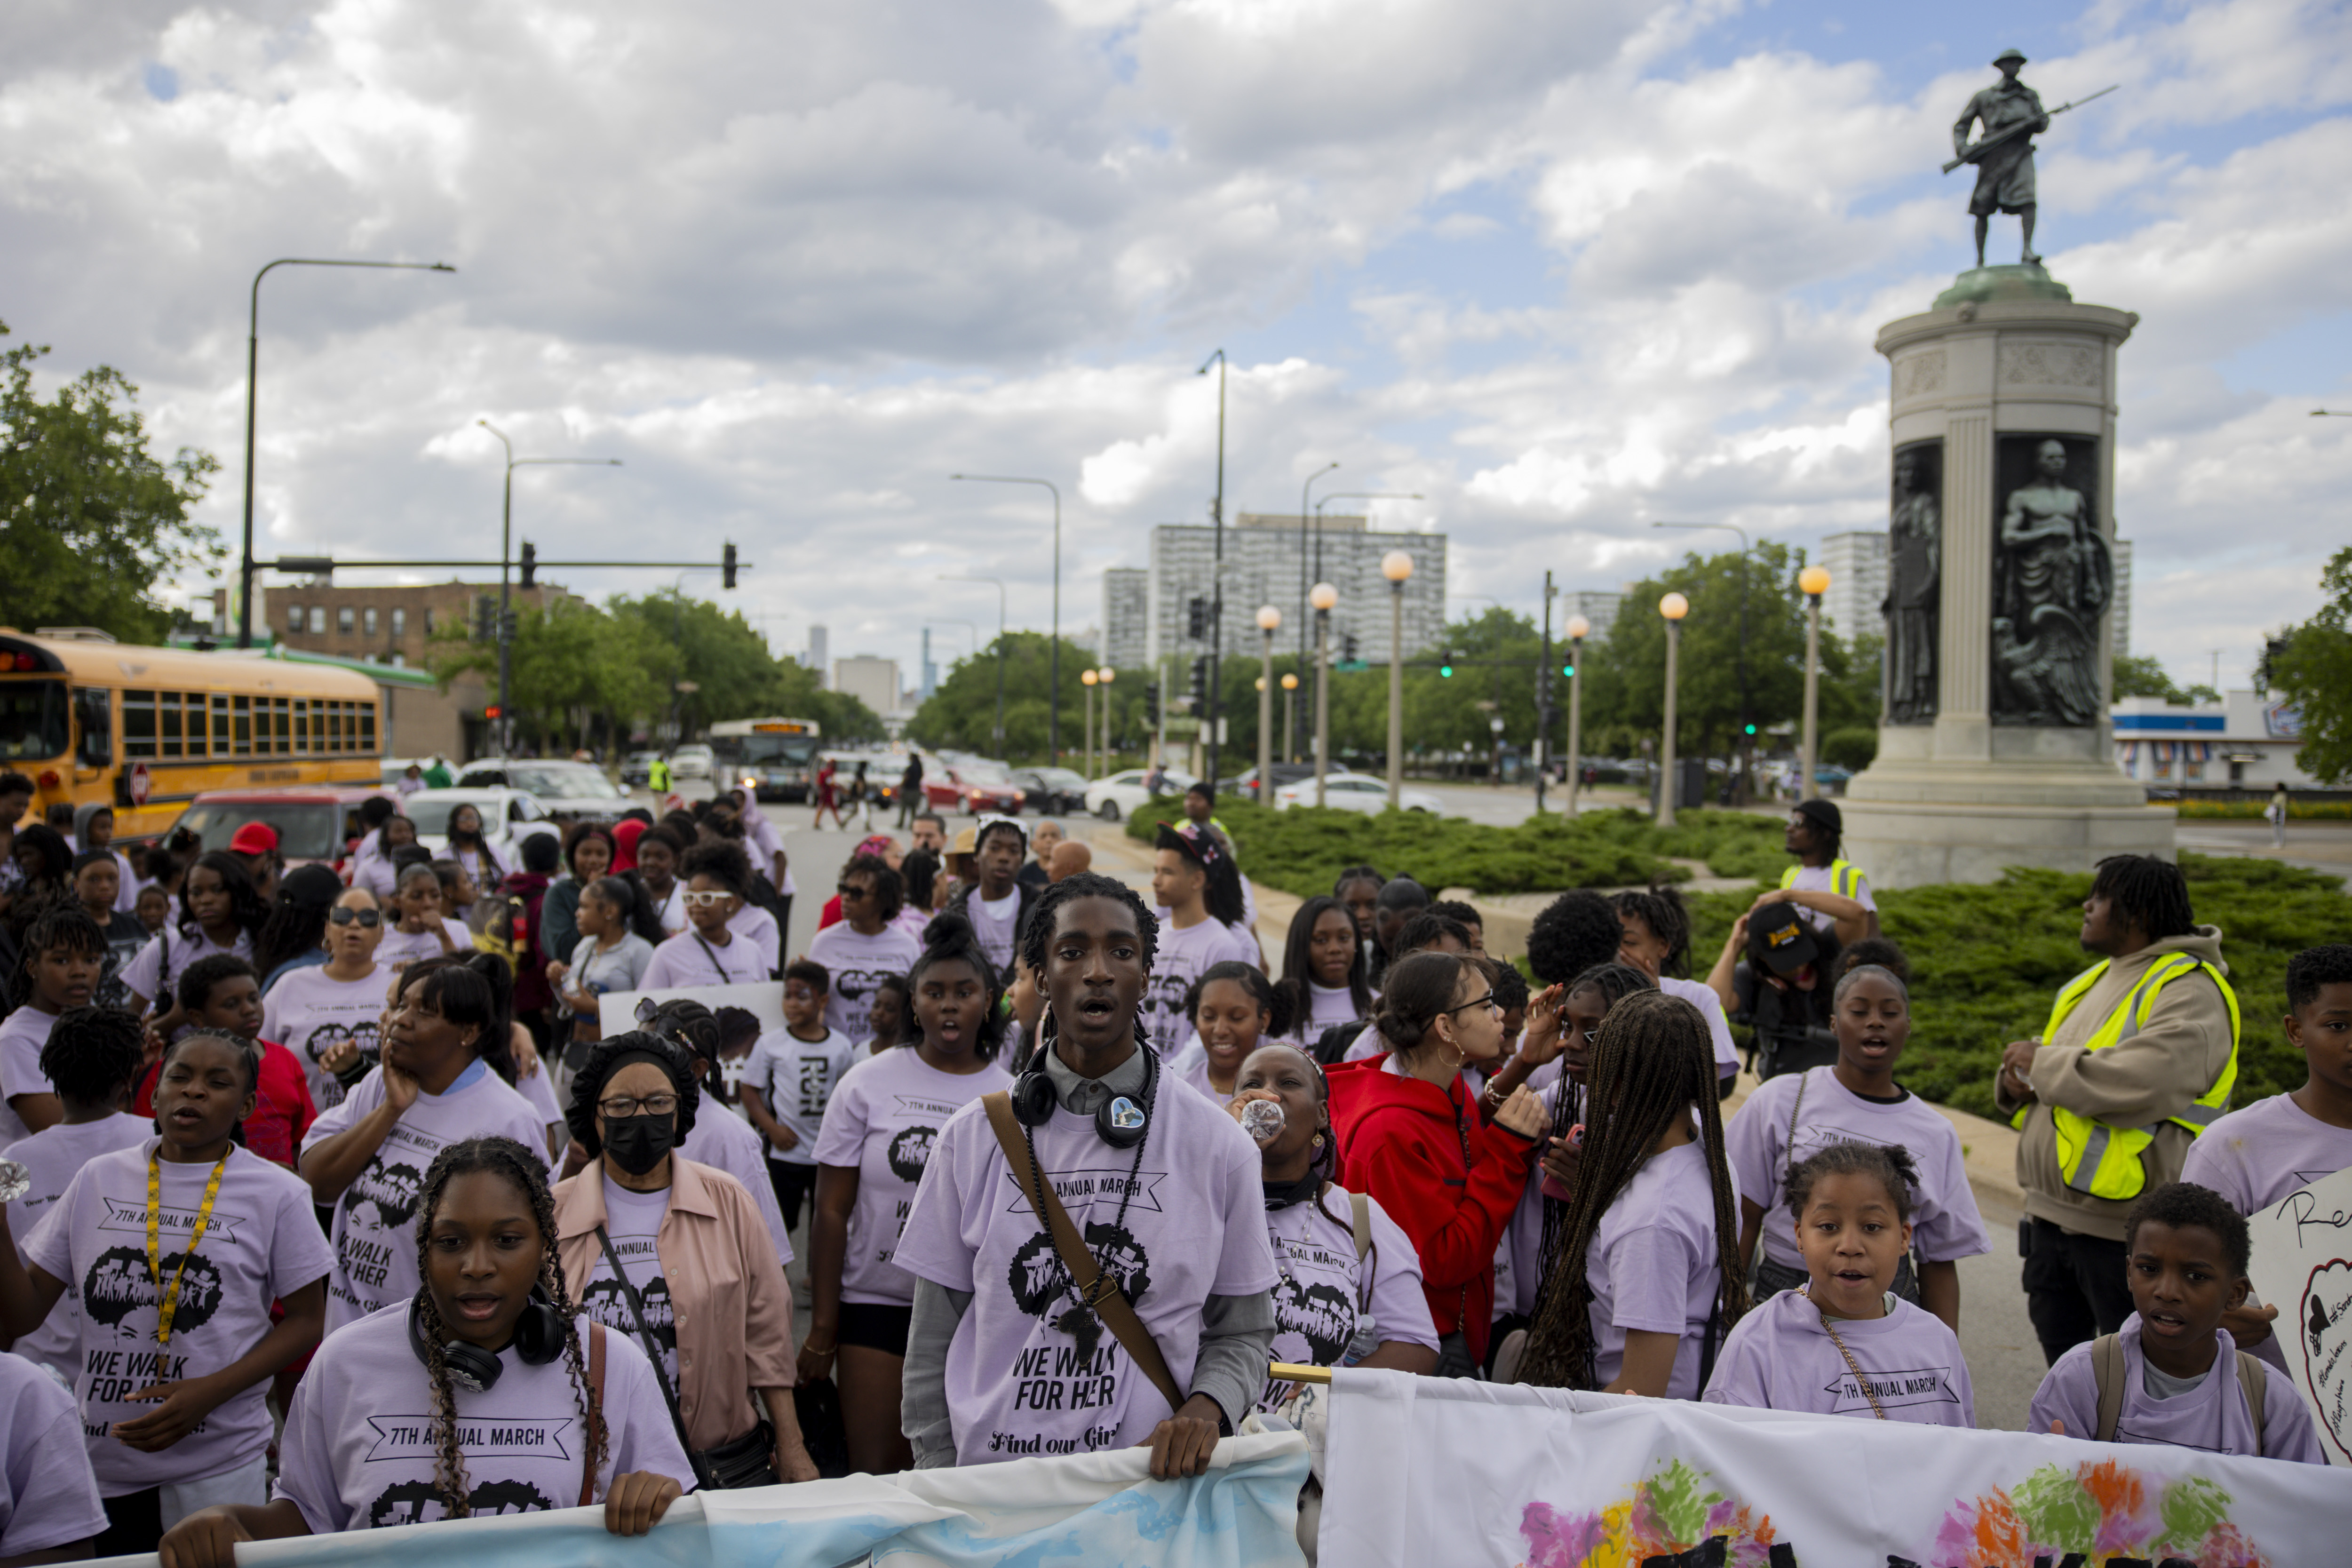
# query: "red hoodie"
{"type": "Point", "coordinates": [1402, 1141]}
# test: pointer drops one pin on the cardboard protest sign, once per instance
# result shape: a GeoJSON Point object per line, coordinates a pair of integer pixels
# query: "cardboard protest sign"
{"type": "Point", "coordinates": [764, 1000]}
{"type": "Point", "coordinates": [1441, 1471]}
{"type": "Point", "coordinates": [2303, 1265]}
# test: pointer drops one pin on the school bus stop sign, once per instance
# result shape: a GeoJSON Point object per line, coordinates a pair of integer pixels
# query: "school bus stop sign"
{"type": "Point", "coordinates": [139, 783]}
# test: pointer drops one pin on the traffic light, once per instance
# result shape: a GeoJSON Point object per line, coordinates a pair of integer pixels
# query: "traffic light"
{"type": "Point", "coordinates": [486, 618]}
{"type": "Point", "coordinates": [1152, 703]}
{"type": "Point", "coordinates": [1200, 680]}
{"type": "Point", "coordinates": [530, 564]}
{"type": "Point", "coordinates": [507, 627]}
{"type": "Point", "coordinates": [1751, 728]}
{"type": "Point", "coordinates": [1196, 619]}
{"type": "Point", "coordinates": [1567, 671]}
{"type": "Point", "coordinates": [493, 711]}
{"type": "Point", "coordinates": [1348, 647]}
{"type": "Point", "coordinates": [726, 567]}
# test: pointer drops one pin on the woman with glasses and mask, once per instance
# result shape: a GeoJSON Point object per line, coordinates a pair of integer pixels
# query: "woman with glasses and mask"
{"type": "Point", "coordinates": [707, 953]}
{"type": "Point", "coordinates": [310, 1011]}
{"type": "Point", "coordinates": [869, 942]}
{"type": "Point", "coordinates": [1411, 1136]}
{"type": "Point", "coordinates": [677, 1256]}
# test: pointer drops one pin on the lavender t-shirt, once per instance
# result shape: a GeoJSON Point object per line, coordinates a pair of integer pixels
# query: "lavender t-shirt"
{"type": "Point", "coordinates": [359, 1452]}
{"type": "Point", "coordinates": [1323, 1298]}
{"type": "Point", "coordinates": [1326, 1007]}
{"type": "Point", "coordinates": [796, 1077]}
{"type": "Point", "coordinates": [757, 926]}
{"type": "Point", "coordinates": [308, 1012]}
{"type": "Point", "coordinates": [54, 1157]}
{"type": "Point", "coordinates": [24, 1035]}
{"type": "Point", "coordinates": [2212, 1416]}
{"type": "Point", "coordinates": [1945, 1224]}
{"type": "Point", "coordinates": [994, 924]}
{"type": "Point", "coordinates": [1178, 960]}
{"type": "Point", "coordinates": [263, 1244]}
{"type": "Point", "coordinates": [398, 948]}
{"type": "Point", "coordinates": [1190, 1225]}
{"type": "Point", "coordinates": [883, 1122]}
{"type": "Point", "coordinates": [1701, 996]}
{"type": "Point", "coordinates": [723, 1141]}
{"type": "Point", "coordinates": [634, 1222]}
{"type": "Point", "coordinates": [691, 959]}
{"type": "Point", "coordinates": [2256, 1156]}
{"type": "Point", "coordinates": [1780, 1357]}
{"type": "Point", "coordinates": [1652, 1264]}
{"type": "Point", "coordinates": [375, 1217]}
{"type": "Point", "coordinates": [46, 1496]}
{"type": "Point", "coordinates": [856, 965]}
{"type": "Point", "coordinates": [166, 957]}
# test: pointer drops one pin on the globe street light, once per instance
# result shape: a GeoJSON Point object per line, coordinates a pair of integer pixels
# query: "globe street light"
{"type": "Point", "coordinates": [1269, 621]}
{"type": "Point", "coordinates": [1396, 567]}
{"type": "Point", "coordinates": [1815, 582]}
{"type": "Point", "coordinates": [1323, 598]}
{"type": "Point", "coordinates": [1673, 606]}
{"type": "Point", "coordinates": [1087, 724]}
{"type": "Point", "coordinates": [1103, 678]}
{"type": "Point", "coordinates": [1290, 712]}
{"type": "Point", "coordinates": [1578, 629]}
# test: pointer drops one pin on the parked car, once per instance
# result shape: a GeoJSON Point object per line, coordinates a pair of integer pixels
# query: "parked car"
{"type": "Point", "coordinates": [509, 816]}
{"type": "Point", "coordinates": [1245, 784]}
{"type": "Point", "coordinates": [316, 824]}
{"type": "Point", "coordinates": [1121, 795]}
{"type": "Point", "coordinates": [637, 769]}
{"type": "Point", "coordinates": [1352, 791]}
{"type": "Point", "coordinates": [1051, 790]}
{"type": "Point", "coordinates": [975, 787]}
{"type": "Point", "coordinates": [693, 761]}
{"type": "Point", "coordinates": [568, 790]}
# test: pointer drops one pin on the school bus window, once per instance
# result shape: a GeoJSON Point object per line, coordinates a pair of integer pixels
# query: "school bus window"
{"type": "Point", "coordinates": [334, 726]}
{"type": "Point", "coordinates": [167, 724]}
{"type": "Point", "coordinates": [367, 727]}
{"type": "Point", "coordinates": [94, 718]}
{"type": "Point", "coordinates": [243, 731]}
{"type": "Point", "coordinates": [281, 732]}
{"type": "Point", "coordinates": [138, 724]}
{"type": "Point", "coordinates": [302, 726]}
{"type": "Point", "coordinates": [220, 745]}
{"type": "Point", "coordinates": [32, 721]}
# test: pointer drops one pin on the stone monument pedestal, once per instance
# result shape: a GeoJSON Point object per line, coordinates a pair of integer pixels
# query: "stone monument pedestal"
{"type": "Point", "coordinates": [1995, 749]}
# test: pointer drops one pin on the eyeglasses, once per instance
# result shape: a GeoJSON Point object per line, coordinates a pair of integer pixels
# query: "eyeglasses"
{"type": "Point", "coordinates": [346, 915]}
{"type": "Point", "coordinates": [622, 1105]}
{"type": "Point", "coordinates": [1487, 1001]}
{"type": "Point", "coordinates": [852, 889]}
{"type": "Point", "coordinates": [706, 901]}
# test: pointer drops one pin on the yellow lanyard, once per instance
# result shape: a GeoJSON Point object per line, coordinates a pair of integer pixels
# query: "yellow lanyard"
{"type": "Point", "coordinates": [169, 1301]}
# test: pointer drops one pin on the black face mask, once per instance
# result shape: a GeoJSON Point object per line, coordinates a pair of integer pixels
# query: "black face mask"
{"type": "Point", "coordinates": [637, 1143]}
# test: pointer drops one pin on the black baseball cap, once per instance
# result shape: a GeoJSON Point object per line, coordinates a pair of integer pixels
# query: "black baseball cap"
{"type": "Point", "coordinates": [1778, 937]}
{"type": "Point", "coordinates": [1823, 813]}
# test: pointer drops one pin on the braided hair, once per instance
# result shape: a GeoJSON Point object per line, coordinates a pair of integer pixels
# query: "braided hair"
{"type": "Point", "coordinates": [249, 1058]}
{"type": "Point", "coordinates": [1357, 874]}
{"type": "Point", "coordinates": [1659, 907]}
{"type": "Point", "coordinates": [949, 939]}
{"type": "Point", "coordinates": [1651, 1064]}
{"type": "Point", "coordinates": [1890, 1163]}
{"type": "Point", "coordinates": [1613, 983]}
{"type": "Point", "coordinates": [1037, 938]}
{"type": "Point", "coordinates": [693, 1027]}
{"type": "Point", "coordinates": [1297, 950]}
{"type": "Point", "coordinates": [58, 925]}
{"type": "Point", "coordinates": [94, 1054]}
{"type": "Point", "coordinates": [503, 1157]}
{"type": "Point", "coordinates": [2146, 893]}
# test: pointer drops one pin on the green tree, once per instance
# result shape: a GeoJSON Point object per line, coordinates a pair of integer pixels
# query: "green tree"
{"type": "Point", "coordinates": [734, 674]}
{"type": "Point", "coordinates": [91, 520]}
{"type": "Point", "coordinates": [2140, 675]}
{"type": "Point", "coordinates": [2311, 665]}
{"type": "Point", "coordinates": [961, 714]}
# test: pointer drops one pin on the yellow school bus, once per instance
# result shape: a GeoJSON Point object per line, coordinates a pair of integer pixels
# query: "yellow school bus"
{"type": "Point", "coordinates": [146, 730]}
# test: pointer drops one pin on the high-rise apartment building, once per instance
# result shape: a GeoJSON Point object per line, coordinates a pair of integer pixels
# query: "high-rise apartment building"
{"type": "Point", "coordinates": [1857, 567]}
{"type": "Point", "coordinates": [1126, 612]}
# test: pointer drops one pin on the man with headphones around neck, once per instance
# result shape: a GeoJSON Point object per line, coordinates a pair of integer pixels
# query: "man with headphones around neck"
{"type": "Point", "coordinates": [1022, 1341]}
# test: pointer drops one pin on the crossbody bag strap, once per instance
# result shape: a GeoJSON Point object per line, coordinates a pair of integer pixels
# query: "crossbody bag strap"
{"type": "Point", "coordinates": [711, 954]}
{"type": "Point", "coordinates": [2255, 1382]}
{"type": "Point", "coordinates": [595, 1407]}
{"type": "Point", "coordinates": [646, 1334]}
{"type": "Point", "coordinates": [1097, 1289]}
{"type": "Point", "coordinates": [2109, 1371]}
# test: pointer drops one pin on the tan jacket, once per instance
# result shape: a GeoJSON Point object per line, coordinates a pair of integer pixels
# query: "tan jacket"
{"type": "Point", "coordinates": [2155, 1073]}
{"type": "Point", "coordinates": [732, 1308]}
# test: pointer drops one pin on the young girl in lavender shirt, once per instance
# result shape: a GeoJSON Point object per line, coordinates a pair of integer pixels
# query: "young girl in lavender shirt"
{"type": "Point", "coordinates": [1200, 898]}
{"type": "Point", "coordinates": [1843, 1343]}
{"type": "Point", "coordinates": [2184, 1380]}
{"type": "Point", "coordinates": [1233, 1008]}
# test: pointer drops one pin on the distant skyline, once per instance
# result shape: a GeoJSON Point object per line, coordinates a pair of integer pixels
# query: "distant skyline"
{"type": "Point", "coordinates": [1561, 267]}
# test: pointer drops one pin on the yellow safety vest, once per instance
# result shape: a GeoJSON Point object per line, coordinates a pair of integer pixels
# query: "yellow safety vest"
{"type": "Point", "coordinates": [2103, 1160]}
{"type": "Point", "coordinates": [1845, 877]}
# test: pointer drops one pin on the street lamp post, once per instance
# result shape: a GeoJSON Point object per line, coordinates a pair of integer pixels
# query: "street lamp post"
{"type": "Point", "coordinates": [1054, 649]}
{"type": "Point", "coordinates": [1397, 567]}
{"type": "Point", "coordinates": [506, 556]}
{"type": "Point", "coordinates": [1747, 714]}
{"type": "Point", "coordinates": [1578, 629]}
{"type": "Point", "coordinates": [1673, 606]}
{"type": "Point", "coordinates": [1815, 582]}
{"type": "Point", "coordinates": [1290, 712]}
{"type": "Point", "coordinates": [1217, 576]}
{"type": "Point", "coordinates": [999, 651]}
{"type": "Point", "coordinates": [1320, 505]}
{"type": "Point", "coordinates": [1087, 724]}
{"type": "Point", "coordinates": [1269, 621]}
{"type": "Point", "coordinates": [246, 569]}
{"type": "Point", "coordinates": [1103, 678]}
{"type": "Point", "coordinates": [1323, 597]}
{"type": "Point", "coordinates": [1303, 618]}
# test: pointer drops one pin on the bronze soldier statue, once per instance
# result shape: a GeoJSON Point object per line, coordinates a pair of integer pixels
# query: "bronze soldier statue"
{"type": "Point", "coordinates": [2005, 167]}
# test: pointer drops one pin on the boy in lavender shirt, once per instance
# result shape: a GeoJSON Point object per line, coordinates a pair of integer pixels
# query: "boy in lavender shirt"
{"type": "Point", "coordinates": [2184, 1381]}
{"type": "Point", "coordinates": [1843, 1343]}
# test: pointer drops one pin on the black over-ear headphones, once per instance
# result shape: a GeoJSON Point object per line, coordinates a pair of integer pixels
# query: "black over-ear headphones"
{"type": "Point", "coordinates": [538, 1339]}
{"type": "Point", "coordinates": [1119, 1121]}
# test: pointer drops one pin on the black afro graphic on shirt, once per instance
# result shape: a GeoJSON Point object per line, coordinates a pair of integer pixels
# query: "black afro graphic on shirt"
{"type": "Point", "coordinates": [1320, 1314]}
{"type": "Point", "coordinates": [118, 1287]}
{"type": "Point", "coordinates": [417, 1502]}
{"type": "Point", "coordinates": [391, 1190]}
{"type": "Point", "coordinates": [911, 1151]}
{"type": "Point", "coordinates": [326, 1037]}
{"type": "Point", "coordinates": [605, 1302]}
{"type": "Point", "coordinates": [1038, 1279]}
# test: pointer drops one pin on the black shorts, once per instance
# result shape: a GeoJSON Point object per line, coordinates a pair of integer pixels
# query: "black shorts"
{"type": "Point", "coordinates": [793, 1184]}
{"type": "Point", "coordinates": [874, 1326]}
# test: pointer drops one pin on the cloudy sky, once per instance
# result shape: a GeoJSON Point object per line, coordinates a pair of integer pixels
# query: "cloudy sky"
{"type": "Point", "coordinates": [1563, 267]}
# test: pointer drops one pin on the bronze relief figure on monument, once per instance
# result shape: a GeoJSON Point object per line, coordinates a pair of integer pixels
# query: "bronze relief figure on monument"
{"type": "Point", "coordinates": [1914, 565]}
{"type": "Point", "coordinates": [2052, 576]}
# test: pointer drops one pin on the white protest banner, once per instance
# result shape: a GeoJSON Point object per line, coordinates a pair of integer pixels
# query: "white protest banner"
{"type": "Point", "coordinates": [1436, 1471]}
{"type": "Point", "coordinates": [616, 1011]}
{"type": "Point", "coordinates": [2303, 1265]}
{"type": "Point", "coordinates": [1088, 1508]}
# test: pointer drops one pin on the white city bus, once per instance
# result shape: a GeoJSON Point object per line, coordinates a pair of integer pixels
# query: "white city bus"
{"type": "Point", "coordinates": [775, 759]}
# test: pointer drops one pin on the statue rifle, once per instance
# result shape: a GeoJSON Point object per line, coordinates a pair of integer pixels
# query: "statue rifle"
{"type": "Point", "coordinates": [1973, 153]}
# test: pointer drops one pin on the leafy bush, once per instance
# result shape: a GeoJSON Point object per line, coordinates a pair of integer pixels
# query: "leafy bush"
{"type": "Point", "coordinates": [1853, 749]}
{"type": "Point", "coordinates": [2252, 810]}
{"type": "Point", "coordinates": [1986, 961]}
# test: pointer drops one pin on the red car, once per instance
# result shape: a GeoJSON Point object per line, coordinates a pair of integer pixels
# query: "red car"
{"type": "Point", "coordinates": [315, 823]}
{"type": "Point", "coordinates": [964, 787]}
